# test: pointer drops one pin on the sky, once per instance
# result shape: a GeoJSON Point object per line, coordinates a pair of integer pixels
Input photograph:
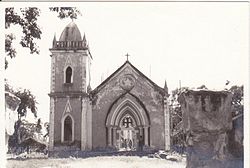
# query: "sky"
{"type": "Point", "coordinates": [195, 43]}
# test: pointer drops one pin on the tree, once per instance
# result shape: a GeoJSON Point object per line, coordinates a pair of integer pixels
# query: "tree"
{"type": "Point", "coordinates": [31, 31]}
{"type": "Point", "coordinates": [175, 107]}
{"type": "Point", "coordinates": [237, 99]}
{"type": "Point", "coordinates": [66, 12]}
{"type": "Point", "coordinates": [10, 51]}
{"type": "Point", "coordinates": [29, 135]}
{"type": "Point", "coordinates": [28, 101]}
{"type": "Point", "coordinates": [178, 136]}
{"type": "Point", "coordinates": [236, 135]}
{"type": "Point", "coordinates": [27, 20]}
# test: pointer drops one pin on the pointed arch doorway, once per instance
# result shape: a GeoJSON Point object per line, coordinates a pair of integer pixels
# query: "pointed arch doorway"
{"type": "Point", "coordinates": [127, 134]}
{"type": "Point", "coordinates": [127, 125]}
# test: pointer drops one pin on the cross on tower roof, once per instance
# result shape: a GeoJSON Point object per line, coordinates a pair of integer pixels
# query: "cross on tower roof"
{"type": "Point", "coordinates": [127, 56]}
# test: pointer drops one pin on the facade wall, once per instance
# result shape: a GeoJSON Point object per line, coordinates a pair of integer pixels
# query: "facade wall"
{"type": "Point", "coordinates": [62, 92]}
{"type": "Point", "coordinates": [149, 96]}
{"type": "Point", "coordinates": [77, 61]}
{"type": "Point", "coordinates": [153, 101]}
{"type": "Point", "coordinates": [59, 113]}
{"type": "Point", "coordinates": [99, 113]}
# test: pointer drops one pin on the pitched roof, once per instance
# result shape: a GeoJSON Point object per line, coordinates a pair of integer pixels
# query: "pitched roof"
{"type": "Point", "coordinates": [96, 90]}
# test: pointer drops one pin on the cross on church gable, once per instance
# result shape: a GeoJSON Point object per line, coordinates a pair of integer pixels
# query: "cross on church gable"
{"type": "Point", "coordinates": [127, 55]}
{"type": "Point", "coordinates": [126, 121]}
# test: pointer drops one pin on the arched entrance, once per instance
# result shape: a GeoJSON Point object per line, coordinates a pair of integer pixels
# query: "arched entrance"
{"type": "Point", "coordinates": [67, 129]}
{"type": "Point", "coordinates": [127, 134]}
{"type": "Point", "coordinates": [127, 121]}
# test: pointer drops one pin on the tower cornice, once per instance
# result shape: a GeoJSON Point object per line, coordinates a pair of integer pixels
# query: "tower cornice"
{"type": "Point", "coordinates": [68, 50]}
{"type": "Point", "coordinates": [66, 94]}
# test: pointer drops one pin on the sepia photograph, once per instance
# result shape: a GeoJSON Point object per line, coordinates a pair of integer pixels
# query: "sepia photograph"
{"type": "Point", "coordinates": [125, 84]}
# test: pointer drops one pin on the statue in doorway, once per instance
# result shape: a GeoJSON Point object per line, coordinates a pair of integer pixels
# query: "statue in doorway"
{"type": "Point", "coordinates": [140, 143]}
{"type": "Point", "coordinates": [127, 137]}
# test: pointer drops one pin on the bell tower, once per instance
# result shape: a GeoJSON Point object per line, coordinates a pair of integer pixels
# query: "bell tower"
{"type": "Point", "coordinates": [69, 101]}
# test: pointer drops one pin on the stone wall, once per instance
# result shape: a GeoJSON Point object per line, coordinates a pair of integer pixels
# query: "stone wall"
{"type": "Point", "coordinates": [236, 137]}
{"type": "Point", "coordinates": [78, 61]}
{"type": "Point", "coordinates": [60, 104]}
{"type": "Point", "coordinates": [63, 93]}
{"type": "Point", "coordinates": [207, 119]}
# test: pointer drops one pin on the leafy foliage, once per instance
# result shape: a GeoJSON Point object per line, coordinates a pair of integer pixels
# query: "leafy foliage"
{"type": "Point", "coordinates": [237, 99]}
{"type": "Point", "coordinates": [178, 136]}
{"type": "Point", "coordinates": [26, 135]}
{"type": "Point", "coordinates": [28, 101]}
{"type": "Point", "coordinates": [8, 88]}
{"type": "Point", "coordinates": [9, 50]}
{"type": "Point", "coordinates": [26, 130]}
{"type": "Point", "coordinates": [30, 29]}
{"type": "Point", "coordinates": [175, 107]}
{"type": "Point", "coordinates": [66, 12]}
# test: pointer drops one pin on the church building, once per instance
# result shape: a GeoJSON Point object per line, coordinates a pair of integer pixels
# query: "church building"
{"type": "Point", "coordinates": [123, 112]}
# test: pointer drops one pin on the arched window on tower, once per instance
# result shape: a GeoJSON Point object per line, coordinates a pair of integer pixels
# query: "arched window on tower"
{"type": "Point", "coordinates": [68, 75]}
{"type": "Point", "coordinates": [68, 129]}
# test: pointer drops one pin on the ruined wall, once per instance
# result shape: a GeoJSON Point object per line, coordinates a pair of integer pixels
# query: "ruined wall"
{"type": "Point", "coordinates": [207, 117]}
{"type": "Point", "coordinates": [144, 91]}
{"type": "Point", "coordinates": [236, 137]}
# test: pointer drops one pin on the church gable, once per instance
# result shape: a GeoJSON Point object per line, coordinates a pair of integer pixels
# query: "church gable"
{"type": "Point", "coordinates": [128, 97]}
{"type": "Point", "coordinates": [127, 77]}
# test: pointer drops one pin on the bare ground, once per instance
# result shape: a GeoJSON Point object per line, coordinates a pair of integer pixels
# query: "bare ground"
{"type": "Point", "coordinates": [97, 162]}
